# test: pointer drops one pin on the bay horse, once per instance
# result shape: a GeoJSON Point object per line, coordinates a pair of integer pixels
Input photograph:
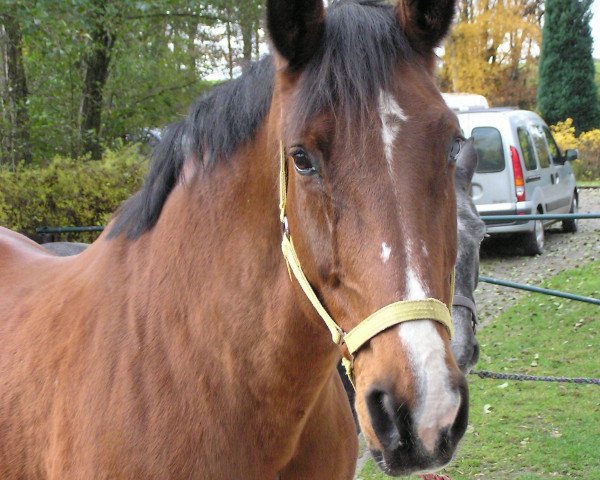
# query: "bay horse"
{"type": "Point", "coordinates": [180, 345]}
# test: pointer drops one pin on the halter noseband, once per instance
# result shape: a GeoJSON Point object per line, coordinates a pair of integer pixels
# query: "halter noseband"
{"type": "Point", "coordinates": [461, 301]}
{"type": "Point", "coordinates": [373, 325]}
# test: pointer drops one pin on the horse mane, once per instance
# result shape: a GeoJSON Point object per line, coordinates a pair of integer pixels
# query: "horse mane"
{"type": "Point", "coordinates": [362, 46]}
{"type": "Point", "coordinates": [217, 124]}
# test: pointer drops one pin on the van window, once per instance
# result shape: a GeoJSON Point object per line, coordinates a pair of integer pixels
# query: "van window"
{"type": "Point", "coordinates": [540, 146]}
{"type": "Point", "coordinates": [527, 149]}
{"type": "Point", "coordinates": [554, 150]}
{"type": "Point", "coordinates": [488, 143]}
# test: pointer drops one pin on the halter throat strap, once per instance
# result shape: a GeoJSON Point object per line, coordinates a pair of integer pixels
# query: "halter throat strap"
{"type": "Point", "coordinates": [387, 317]}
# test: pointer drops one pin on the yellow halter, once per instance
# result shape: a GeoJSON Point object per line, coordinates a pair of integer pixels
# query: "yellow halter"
{"type": "Point", "coordinates": [381, 320]}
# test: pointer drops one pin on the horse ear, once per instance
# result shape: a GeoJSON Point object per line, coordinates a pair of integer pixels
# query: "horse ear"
{"type": "Point", "coordinates": [296, 29]}
{"type": "Point", "coordinates": [426, 22]}
{"type": "Point", "coordinates": [466, 164]}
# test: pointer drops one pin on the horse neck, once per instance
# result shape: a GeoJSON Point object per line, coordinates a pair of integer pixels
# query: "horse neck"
{"type": "Point", "coordinates": [213, 275]}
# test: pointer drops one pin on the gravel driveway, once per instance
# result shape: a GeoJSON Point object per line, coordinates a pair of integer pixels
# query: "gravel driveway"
{"type": "Point", "coordinates": [564, 251]}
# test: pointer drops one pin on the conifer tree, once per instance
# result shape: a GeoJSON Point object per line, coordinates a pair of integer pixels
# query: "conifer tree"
{"type": "Point", "coordinates": [566, 84]}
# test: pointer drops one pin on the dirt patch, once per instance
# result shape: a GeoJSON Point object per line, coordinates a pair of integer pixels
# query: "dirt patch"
{"type": "Point", "coordinates": [503, 259]}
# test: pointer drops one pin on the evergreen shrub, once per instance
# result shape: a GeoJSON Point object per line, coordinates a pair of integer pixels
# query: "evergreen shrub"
{"type": "Point", "coordinates": [566, 81]}
{"type": "Point", "coordinates": [69, 192]}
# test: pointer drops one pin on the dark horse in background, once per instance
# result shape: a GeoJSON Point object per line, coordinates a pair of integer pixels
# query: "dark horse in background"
{"type": "Point", "coordinates": [176, 345]}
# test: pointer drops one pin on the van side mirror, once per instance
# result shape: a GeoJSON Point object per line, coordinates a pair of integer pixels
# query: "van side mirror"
{"type": "Point", "coordinates": [571, 154]}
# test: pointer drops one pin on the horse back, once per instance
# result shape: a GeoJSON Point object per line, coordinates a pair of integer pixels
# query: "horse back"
{"type": "Point", "coordinates": [16, 248]}
{"type": "Point", "coordinates": [24, 267]}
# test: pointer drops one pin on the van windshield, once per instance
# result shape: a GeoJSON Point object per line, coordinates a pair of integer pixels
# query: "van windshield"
{"type": "Point", "coordinates": [488, 143]}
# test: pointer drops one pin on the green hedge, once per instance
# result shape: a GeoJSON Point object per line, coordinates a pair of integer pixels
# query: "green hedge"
{"type": "Point", "coordinates": [69, 192]}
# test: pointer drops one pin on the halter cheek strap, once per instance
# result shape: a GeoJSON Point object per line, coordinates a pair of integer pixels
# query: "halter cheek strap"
{"type": "Point", "coordinates": [373, 325]}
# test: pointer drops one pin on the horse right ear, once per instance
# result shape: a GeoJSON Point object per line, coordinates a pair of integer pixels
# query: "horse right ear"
{"type": "Point", "coordinates": [426, 22]}
{"type": "Point", "coordinates": [296, 29]}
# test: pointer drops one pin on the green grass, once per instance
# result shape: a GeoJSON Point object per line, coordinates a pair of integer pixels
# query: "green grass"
{"type": "Point", "coordinates": [535, 430]}
{"type": "Point", "coordinates": [588, 183]}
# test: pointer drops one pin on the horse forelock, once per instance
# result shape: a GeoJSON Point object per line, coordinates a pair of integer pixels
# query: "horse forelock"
{"type": "Point", "coordinates": [363, 43]}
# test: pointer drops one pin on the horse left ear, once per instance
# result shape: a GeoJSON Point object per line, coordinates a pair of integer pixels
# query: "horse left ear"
{"type": "Point", "coordinates": [296, 29]}
{"type": "Point", "coordinates": [426, 22]}
{"type": "Point", "coordinates": [466, 164]}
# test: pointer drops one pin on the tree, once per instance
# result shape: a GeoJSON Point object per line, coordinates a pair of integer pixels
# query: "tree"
{"type": "Point", "coordinates": [16, 94]}
{"type": "Point", "coordinates": [86, 74]}
{"type": "Point", "coordinates": [248, 14]}
{"type": "Point", "coordinates": [492, 51]}
{"type": "Point", "coordinates": [566, 85]}
{"type": "Point", "coordinates": [97, 62]}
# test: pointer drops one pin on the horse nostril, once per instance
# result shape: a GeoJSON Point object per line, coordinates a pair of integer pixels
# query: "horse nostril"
{"type": "Point", "coordinates": [389, 421]}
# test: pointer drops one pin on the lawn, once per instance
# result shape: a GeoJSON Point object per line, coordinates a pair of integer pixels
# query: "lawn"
{"type": "Point", "coordinates": [588, 183]}
{"type": "Point", "coordinates": [535, 430]}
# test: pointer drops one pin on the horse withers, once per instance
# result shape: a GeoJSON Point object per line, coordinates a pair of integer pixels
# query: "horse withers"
{"type": "Point", "coordinates": [178, 346]}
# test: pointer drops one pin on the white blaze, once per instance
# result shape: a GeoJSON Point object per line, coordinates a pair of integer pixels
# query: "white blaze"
{"type": "Point", "coordinates": [386, 252]}
{"type": "Point", "coordinates": [437, 403]}
{"type": "Point", "coordinates": [391, 115]}
{"type": "Point", "coordinates": [414, 287]}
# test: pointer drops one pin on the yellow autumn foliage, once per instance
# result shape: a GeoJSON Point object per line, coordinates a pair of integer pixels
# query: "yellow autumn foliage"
{"type": "Point", "coordinates": [588, 144]}
{"type": "Point", "coordinates": [493, 52]}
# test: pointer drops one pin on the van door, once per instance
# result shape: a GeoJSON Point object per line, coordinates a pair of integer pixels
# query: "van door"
{"type": "Point", "coordinates": [492, 193]}
{"type": "Point", "coordinates": [533, 175]}
{"type": "Point", "coordinates": [562, 176]}
{"type": "Point", "coordinates": [547, 173]}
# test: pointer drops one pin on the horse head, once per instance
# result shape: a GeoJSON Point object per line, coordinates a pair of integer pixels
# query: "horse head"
{"type": "Point", "coordinates": [471, 231]}
{"type": "Point", "coordinates": [369, 156]}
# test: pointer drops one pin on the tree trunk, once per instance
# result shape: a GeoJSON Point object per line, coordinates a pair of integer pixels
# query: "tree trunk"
{"type": "Point", "coordinates": [229, 46]}
{"type": "Point", "coordinates": [4, 121]}
{"type": "Point", "coordinates": [247, 27]}
{"type": "Point", "coordinates": [249, 17]}
{"type": "Point", "coordinates": [18, 140]}
{"type": "Point", "coordinates": [97, 63]}
{"type": "Point", "coordinates": [192, 50]}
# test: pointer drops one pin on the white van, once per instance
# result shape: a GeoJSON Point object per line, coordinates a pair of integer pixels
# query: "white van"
{"type": "Point", "coordinates": [521, 171]}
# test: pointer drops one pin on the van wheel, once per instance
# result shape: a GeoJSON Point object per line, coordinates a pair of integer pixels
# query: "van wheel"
{"type": "Point", "coordinates": [534, 241]}
{"type": "Point", "coordinates": [570, 226]}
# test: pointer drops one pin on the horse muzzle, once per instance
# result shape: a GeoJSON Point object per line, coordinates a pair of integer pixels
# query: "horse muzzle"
{"type": "Point", "coordinates": [410, 444]}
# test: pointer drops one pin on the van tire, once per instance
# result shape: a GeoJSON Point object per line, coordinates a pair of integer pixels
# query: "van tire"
{"type": "Point", "coordinates": [570, 226]}
{"type": "Point", "coordinates": [535, 240]}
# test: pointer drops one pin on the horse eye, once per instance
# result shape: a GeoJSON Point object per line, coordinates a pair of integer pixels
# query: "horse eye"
{"type": "Point", "coordinates": [455, 150]}
{"type": "Point", "coordinates": [303, 163]}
